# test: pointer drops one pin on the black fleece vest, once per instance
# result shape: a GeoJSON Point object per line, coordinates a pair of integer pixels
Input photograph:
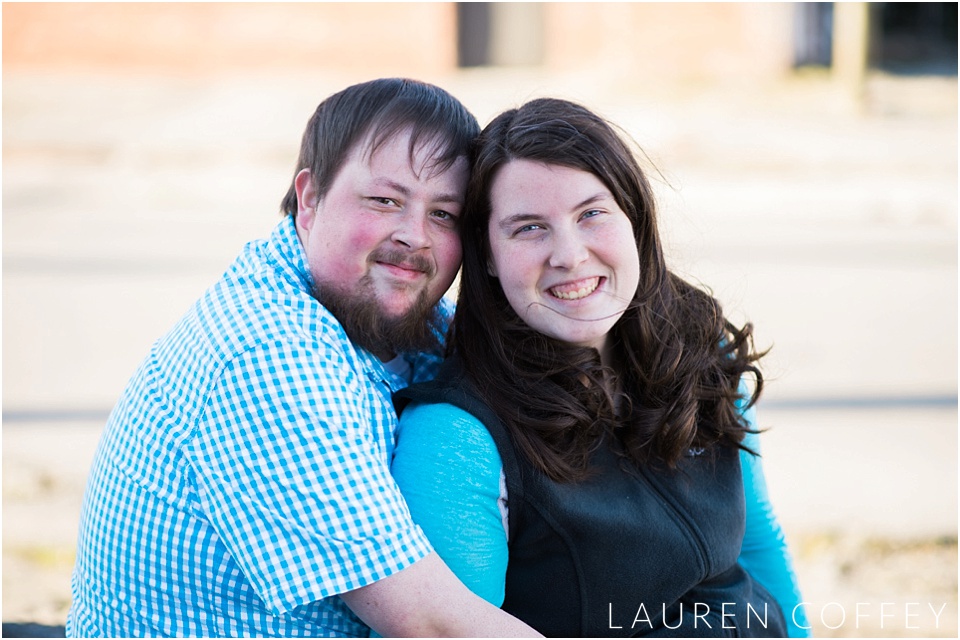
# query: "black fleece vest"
{"type": "Point", "coordinates": [628, 552]}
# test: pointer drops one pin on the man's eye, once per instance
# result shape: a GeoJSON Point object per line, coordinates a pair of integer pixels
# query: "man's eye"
{"type": "Point", "coordinates": [444, 215]}
{"type": "Point", "coordinates": [384, 201]}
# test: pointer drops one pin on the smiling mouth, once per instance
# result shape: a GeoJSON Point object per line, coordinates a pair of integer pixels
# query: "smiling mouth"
{"type": "Point", "coordinates": [575, 290]}
{"type": "Point", "coordinates": [405, 271]}
{"type": "Point", "coordinates": [403, 265]}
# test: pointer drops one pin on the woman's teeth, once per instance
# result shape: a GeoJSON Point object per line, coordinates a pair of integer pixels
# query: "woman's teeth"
{"type": "Point", "coordinates": [576, 290]}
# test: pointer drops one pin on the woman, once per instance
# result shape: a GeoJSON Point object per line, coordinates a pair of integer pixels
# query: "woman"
{"type": "Point", "coordinates": [587, 459]}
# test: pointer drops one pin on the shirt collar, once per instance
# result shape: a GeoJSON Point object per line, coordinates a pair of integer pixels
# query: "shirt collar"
{"type": "Point", "coordinates": [286, 250]}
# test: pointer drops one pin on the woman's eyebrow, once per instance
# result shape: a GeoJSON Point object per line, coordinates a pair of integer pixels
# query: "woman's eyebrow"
{"type": "Point", "coordinates": [527, 217]}
{"type": "Point", "coordinates": [603, 195]}
{"type": "Point", "coordinates": [517, 218]}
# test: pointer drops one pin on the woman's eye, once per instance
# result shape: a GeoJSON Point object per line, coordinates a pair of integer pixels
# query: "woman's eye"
{"type": "Point", "coordinates": [591, 213]}
{"type": "Point", "coordinates": [384, 201]}
{"type": "Point", "coordinates": [528, 227]}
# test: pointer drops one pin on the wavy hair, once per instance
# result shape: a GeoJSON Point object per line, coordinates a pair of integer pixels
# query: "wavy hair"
{"type": "Point", "coordinates": [677, 359]}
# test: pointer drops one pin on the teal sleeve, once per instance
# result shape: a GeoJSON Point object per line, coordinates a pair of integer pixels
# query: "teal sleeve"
{"type": "Point", "coordinates": [448, 468]}
{"type": "Point", "coordinates": [764, 553]}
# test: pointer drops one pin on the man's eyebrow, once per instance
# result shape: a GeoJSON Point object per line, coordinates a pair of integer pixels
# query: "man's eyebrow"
{"type": "Point", "coordinates": [453, 198]}
{"type": "Point", "coordinates": [391, 184]}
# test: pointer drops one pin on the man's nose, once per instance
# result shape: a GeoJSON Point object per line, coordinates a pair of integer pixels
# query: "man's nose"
{"type": "Point", "coordinates": [412, 230]}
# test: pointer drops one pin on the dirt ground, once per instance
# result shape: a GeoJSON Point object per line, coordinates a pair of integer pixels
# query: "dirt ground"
{"type": "Point", "coordinates": [45, 467]}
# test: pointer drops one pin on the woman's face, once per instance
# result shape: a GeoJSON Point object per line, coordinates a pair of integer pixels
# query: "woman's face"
{"type": "Point", "coordinates": [563, 250]}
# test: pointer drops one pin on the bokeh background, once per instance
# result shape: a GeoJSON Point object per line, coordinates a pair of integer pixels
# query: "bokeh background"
{"type": "Point", "coordinates": [805, 159]}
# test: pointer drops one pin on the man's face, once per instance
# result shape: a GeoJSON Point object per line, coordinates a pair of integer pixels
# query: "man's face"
{"type": "Point", "coordinates": [385, 234]}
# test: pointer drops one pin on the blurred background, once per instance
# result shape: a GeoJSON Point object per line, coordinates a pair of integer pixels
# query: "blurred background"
{"type": "Point", "coordinates": [805, 160]}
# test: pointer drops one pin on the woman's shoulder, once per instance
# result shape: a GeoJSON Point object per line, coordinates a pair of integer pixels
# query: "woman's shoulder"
{"type": "Point", "coordinates": [448, 429]}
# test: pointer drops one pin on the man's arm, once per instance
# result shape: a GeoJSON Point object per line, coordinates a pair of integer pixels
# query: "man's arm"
{"type": "Point", "coordinates": [427, 600]}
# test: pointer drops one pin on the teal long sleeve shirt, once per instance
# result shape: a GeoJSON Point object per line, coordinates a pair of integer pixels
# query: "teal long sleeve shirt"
{"type": "Point", "coordinates": [449, 470]}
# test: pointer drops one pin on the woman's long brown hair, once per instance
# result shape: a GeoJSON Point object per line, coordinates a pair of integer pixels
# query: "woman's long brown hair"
{"type": "Point", "coordinates": [678, 361]}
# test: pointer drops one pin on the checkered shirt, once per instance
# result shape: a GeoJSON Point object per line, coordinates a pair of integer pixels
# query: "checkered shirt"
{"type": "Point", "coordinates": [242, 481]}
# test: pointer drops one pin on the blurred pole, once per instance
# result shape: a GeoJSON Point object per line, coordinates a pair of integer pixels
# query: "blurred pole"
{"type": "Point", "coordinates": [516, 33]}
{"type": "Point", "coordinates": [473, 34]}
{"type": "Point", "coordinates": [851, 42]}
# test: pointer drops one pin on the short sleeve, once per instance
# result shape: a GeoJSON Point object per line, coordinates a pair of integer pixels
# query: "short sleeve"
{"type": "Point", "coordinates": [449, 470]}
{"type": "Point", "coordinates": [291, 467]}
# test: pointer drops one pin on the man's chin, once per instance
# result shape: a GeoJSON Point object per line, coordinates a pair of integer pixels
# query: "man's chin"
{"type": "Point", "coordinates": [393, 315]}
{"type": "Point", "coordinates": [393, 307]}
{"type": "Point", "coordinates": [384, 329]}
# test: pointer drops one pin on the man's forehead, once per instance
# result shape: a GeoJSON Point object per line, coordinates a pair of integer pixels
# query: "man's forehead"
{"type": "Point", "coordinates": [426, 153]}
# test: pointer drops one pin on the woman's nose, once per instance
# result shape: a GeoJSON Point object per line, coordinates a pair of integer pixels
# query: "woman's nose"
{"type": "Point", "coordinates": [568, 250]}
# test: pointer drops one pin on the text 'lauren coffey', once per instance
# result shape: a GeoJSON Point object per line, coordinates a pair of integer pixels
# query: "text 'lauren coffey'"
{"type": "Point", "coordinates": [832, 615]}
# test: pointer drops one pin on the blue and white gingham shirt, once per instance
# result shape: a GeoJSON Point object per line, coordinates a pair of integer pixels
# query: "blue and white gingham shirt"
{"type": "Point", "coordinates": [243, 481]}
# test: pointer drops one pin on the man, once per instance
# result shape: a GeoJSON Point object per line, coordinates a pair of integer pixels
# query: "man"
{"type": "Point", "coordinates": [242, 487]}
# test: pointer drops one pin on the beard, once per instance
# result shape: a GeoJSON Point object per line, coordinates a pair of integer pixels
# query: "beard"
{"type": "Point", "coordinates": [368, 327]}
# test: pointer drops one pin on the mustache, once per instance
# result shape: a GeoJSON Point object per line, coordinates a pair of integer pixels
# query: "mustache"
{"type": "Point", "coordinates": [401, 258]}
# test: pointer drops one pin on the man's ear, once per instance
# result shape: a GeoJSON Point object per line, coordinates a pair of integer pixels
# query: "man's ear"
{"type": "Point", "coordinates": [307, 199]}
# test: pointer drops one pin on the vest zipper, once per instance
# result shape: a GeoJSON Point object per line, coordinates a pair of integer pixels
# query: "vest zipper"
{"type": "Point", "coordinates": [688, 525]}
